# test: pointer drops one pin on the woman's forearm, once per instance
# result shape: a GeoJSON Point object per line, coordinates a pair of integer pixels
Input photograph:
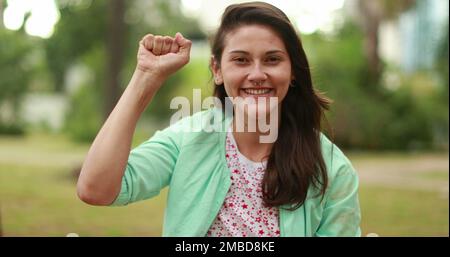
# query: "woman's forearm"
{"type": "Point", "coordinates": [101, 175]}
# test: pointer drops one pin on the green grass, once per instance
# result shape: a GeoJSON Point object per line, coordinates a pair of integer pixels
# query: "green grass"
{"type": "Point", "coordinates": [38, 198]}
{"type": "Point", "coordinates": [435, 175]}
{"type": "Point", "coordinates": [43, 202]}
{"type": "Point", "coordinates": [390, 155]}
{"type": "Point", "coordinates": [38, 193]}
{"type": "Point", "coordinates": [401, 212]}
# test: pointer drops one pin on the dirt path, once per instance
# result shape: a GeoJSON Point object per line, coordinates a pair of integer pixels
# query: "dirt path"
{"type": "Point", "coordinates": [405, 173]}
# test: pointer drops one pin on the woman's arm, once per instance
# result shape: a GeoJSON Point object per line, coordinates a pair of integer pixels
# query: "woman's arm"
{"type": "Point", "coordinates": [101, 175]}
{"type": "Point", "coordinates": [342, 214]}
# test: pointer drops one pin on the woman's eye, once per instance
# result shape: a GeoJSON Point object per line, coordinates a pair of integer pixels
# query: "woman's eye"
{"type": "Point", "coordinates": [240, 60]}
{"type": "Point", "coordinates": [273, 59]}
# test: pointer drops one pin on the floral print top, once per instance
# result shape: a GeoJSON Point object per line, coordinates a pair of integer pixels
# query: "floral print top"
{"type": "Point", "coordinates": [243, 213]}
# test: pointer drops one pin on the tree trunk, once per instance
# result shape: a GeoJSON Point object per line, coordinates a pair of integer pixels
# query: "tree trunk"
{"type": "Point", "coordinates": [371, 45]}
{"type": "Point", "coordinates": [115, 45]}
{"type": "Point", "coordinates": [373, 12]}
{"type": "Point", "coordinates": [371, 18]}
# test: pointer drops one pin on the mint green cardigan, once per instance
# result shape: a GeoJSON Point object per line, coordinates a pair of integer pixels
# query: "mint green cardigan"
{"type": "Point", "coordinates": [194, 167]}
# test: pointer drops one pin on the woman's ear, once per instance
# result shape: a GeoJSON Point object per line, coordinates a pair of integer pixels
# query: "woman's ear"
{"type": "Point", "coordinates": [215, 67]}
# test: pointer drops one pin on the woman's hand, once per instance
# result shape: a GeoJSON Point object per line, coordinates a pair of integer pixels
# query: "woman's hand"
{"type": "Point", "coordinates": [161, 56]}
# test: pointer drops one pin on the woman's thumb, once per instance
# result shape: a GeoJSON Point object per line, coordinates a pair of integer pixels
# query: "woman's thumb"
{"type": "Point", "coordinates": [182, 42]}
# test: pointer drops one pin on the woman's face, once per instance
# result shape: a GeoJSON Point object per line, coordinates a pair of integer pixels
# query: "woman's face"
{"type": "Point", "coordinates": [255, 66]}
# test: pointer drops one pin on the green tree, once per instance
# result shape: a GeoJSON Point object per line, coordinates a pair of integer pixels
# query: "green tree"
{"type": "Point", "coordinates": [16, 62]}
{"type": "Point", "coordinates": [115, 54]}
{"type": "Point", "coordinates": [402, 119]}
{"type": "Point", "coordinates": [373, 13]}
{"type": "Point", "coordinates": [109, 30]}
{"type": "Point", "coordinates": [81, 28]}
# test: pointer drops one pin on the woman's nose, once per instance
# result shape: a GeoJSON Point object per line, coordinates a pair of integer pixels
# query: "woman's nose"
{"type": "Point", "coordinates": [257, 73]}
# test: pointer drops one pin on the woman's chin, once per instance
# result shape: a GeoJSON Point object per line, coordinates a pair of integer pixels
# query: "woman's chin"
{"type": "Point", "coordinates": [258, 112]}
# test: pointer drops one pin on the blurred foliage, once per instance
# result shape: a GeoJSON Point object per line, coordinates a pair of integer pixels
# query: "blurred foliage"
{"type": "Point", "coordinates": [84, 117]}
{"type": "Point", "coordinates": [402, 111]}
{"type": "Point", "coordinates": [16, 60]}
{"type": "Point", "coordinates": [81, 35]}
{"type": "Point", "coordinates": [82, 27]}
{"type": "Point", "coordinates": [442, 64]}
{"type": "Point", "coordinates": [410, 117]}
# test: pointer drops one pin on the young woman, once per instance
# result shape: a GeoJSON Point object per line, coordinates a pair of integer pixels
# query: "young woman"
{"type": "Point", "coordinates": [229, 183]}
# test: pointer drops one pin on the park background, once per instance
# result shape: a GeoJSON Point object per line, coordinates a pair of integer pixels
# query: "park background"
{"type": "Point", "coordinates": [64, 63]}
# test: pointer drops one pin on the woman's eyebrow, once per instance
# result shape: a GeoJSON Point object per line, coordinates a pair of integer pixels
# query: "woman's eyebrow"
{"type": "Point", "coordinates": [247, 53]}
{"type": "Point", "coordinates": [276, 51]}
{"type": "Point", "coordinates": [238, 52]}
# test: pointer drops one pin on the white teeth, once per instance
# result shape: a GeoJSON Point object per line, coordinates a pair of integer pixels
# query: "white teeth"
{"type": "Point", "coordinates": [257, 91]}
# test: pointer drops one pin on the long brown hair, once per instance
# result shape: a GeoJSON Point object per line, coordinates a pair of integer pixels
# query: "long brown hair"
{"type": "Point", "coordinates": [296, 160]}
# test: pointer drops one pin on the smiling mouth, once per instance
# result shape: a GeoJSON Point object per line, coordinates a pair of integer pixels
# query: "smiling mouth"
{"type": "Point", "coordinates": [257, 92]}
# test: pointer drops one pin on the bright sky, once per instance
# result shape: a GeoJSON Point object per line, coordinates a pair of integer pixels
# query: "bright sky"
{"type": "Point", "coordinates": [309, 15]}
{"type": "Point", "coordinates": [44, 15]}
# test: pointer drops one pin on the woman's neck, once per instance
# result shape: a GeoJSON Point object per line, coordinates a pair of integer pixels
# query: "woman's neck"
{"type": "Point", "coordinates": [249, 143]}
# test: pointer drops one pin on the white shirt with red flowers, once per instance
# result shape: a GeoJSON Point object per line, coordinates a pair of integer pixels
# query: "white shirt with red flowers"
{"type": "Point", "coordinates": [243, 213]}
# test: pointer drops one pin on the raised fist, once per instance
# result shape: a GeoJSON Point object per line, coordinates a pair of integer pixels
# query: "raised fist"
{"type": "Point", "coordinates": [163, 55]}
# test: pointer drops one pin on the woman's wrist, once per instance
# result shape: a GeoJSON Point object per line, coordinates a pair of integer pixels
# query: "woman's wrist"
{"type": "Point", "coordinates": [149, 78]}
{"type": "Point", "coordinates": [144, 85]}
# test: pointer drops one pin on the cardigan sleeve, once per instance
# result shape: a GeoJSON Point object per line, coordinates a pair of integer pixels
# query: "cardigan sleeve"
{"type": "Point", "coordinates": [149, 168]}
{"type": "Point", "coordinates": [341, 213]}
